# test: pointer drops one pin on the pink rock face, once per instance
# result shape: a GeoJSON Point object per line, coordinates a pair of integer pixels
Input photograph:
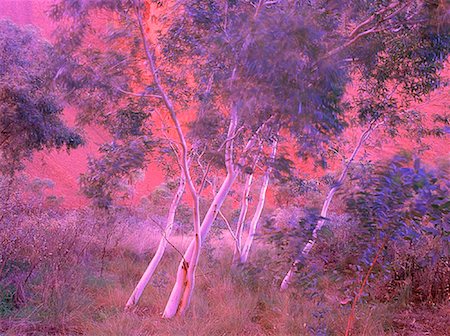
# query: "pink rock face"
{"type": "Point", "coordinates": [64, 168]}
{"type": "Point", "coordinates": [25, 12]}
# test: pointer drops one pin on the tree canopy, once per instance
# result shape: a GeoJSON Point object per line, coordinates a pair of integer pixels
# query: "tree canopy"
{"type": "Point", "coordinates": [30, 105]}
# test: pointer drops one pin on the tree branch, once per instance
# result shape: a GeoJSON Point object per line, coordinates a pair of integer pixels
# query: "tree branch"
{"type": "Point", "coordinates": [229, 227]}
{"type": "Point", "coordinates": [170, 108]}
{"type": "Point", "coordinates": [142, 94]}
{"type": "Point", "coordinates": [356, 34]}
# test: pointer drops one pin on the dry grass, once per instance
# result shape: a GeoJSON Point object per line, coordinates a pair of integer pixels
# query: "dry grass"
{"type": "Point", "coordinates": [240, 302]}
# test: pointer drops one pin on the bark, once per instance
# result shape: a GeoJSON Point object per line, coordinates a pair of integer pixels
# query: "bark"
{"type": "Point", "coordinates": [146, 277]}
{"type": "Point", "coordinates": [184, 285]}
{"type": "Point", "coordinates": [168, 103]}
{"type": "Point", "coordinates": [188, 265]}
{"type": "Point", "coordinates": [182, 291]}
{"type": "Point", "coordinates": [326, 204]}
{"type": "Point", "coordinates": [259, 207]}
{"type": "Point", "coordinates": [244, 209]}
{"type": "Point", "coordinates": [242, 217]}
{"type": "Point", "coordinates": [185, 281]}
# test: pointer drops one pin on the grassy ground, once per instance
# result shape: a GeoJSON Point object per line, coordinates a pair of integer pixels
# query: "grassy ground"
{"type": "Point", "coordinates": [241, 302]}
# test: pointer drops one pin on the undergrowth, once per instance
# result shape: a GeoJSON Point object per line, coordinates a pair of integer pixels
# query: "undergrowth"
{"type": "Point", "coordinates": [70, 273]}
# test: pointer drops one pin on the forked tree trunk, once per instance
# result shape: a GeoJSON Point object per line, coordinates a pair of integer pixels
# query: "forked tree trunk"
{"type": "Point", "coordinates": [259, 207]}
{"type": "Point", "coordinates": [146, 277]}
{"type": "Point", "coordinates": [188, 266]}
{"type": "Point", "coordinates": [324, 212]}
{"type": "Point", "coordinates": [184, 285]}
{"type": "Point", "coordinates": [180, 296]}
{"type": "Point", "coordinates": [182, 290]}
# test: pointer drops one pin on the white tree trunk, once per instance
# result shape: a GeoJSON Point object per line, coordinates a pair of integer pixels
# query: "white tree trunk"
{"type": "Point", "coordinates": [259, 207]}
{"type": "Point", "coordinates": [187, 265]}
{"type": "Point", "coordinates": [185, 280]}
{"type": "Point", "coordinates": [324, 212]}
{"type": "Point", "coordinates": [244, 209]}
{"type": "Point", "coordinates": [255, 219]}
{"type": "Point", "coordinates": [146, 277]}
{"type": "Point", "coordinates": [184, 285]}
{"type": "Point", "coordinates": [242, 217]}
{"type": "Point", "coordinates": [181, 292]}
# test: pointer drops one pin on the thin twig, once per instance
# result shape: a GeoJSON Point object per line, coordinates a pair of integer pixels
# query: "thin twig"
{"type": "Point", "coordinates": [142, 94]}
{"type": "Point", "coordinates": [355, 35]}
{"type": "Point", "coordinates": [361, 289]}
{"type": "Point", "coordinates": [372, 17]}
{"type": "Point", "coordinates": [205, 175]}
{"type": "Point", "coordinates": [164, 234]}
{"type": "Point", "coordinates": [230, 139]}
{"type": "Point", "coordinates": [228, 226]}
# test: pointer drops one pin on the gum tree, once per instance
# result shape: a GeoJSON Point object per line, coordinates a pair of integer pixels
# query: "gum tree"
{"type": "Point", "coordinates": [231, 47]}
{"type": "Point", "coordinates": [246, 69]}
{"type": "Point", "coordinates": [99, 81]}
{"type": "Point", "coordinates": [245, 249]}
{"type": "Point", "coordinates": [396, 54]}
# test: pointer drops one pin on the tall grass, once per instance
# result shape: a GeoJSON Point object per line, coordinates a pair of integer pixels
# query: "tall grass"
{"type": "Point", "coordinates": [71, 272]}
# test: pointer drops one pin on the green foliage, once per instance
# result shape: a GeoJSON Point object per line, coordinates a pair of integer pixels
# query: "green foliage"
{"type": "Point", "coordinates": [293, 60]}
{"type": "Point", "coordinates": [399, 60]}
{"type": "Point", "coordinates": [404, 202]}
{"type": "Point", "coordinates": [100, 69]}
{"type": "Point", "coordinates": [288, 60]}
{"type": "Point", "coordinates": [264, 64]}
{"type": "Point", "coordinates": [405, 207]}
{"type": "Point", "coordinates": [7, 304]}
{"type": "Point", "coordinates": [400, 207]}
{"type": "Point", "coordinates": [30, 105]}
{"type": "Point", "coordinates": [102, 75]}
{"type": "Point", "coordinates": [105, 180]}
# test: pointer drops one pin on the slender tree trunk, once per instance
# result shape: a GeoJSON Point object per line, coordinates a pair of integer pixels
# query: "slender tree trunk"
{"type": "Point", "coordinates": [182, 291]}
{"type": "Point", "coordinates": [184, 284]}
{"type": "Point", "coordinates": [324, 212]}
{"type": "Point", "coordinates": [137, 292]}
{"type": "Point", "coordinates": [244, 209]}
{"type": "Point", "coordinates": [351, 317]}
{"type": "Point", "coordinates": [259, 207]}
{"type": "Point", "coordinates": [189, 263]}
{"type": "Point", "coordinates": [242, 217]}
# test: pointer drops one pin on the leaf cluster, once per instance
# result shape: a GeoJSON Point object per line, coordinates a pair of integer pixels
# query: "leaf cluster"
{"type": "Point", "coordinates": [403, 202]}
{"type": "Point", "coordinates": [30, 106]}
{"type": "Point", "coordinates": [106, 178]}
